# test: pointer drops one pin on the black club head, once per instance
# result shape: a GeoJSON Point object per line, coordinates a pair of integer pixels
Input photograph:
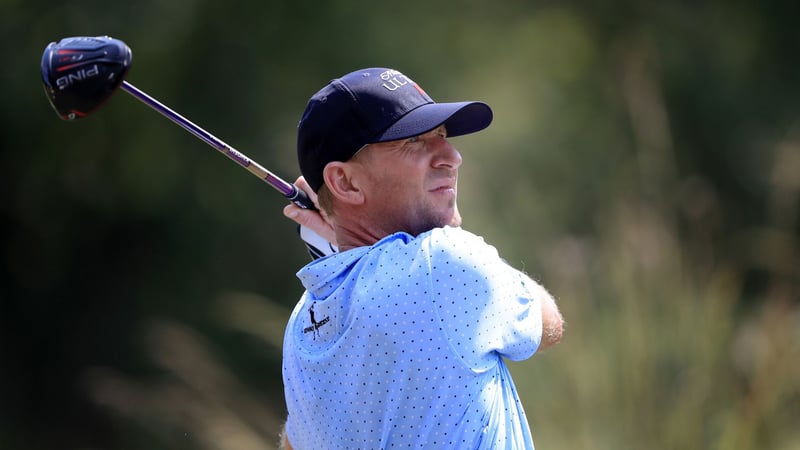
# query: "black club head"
{"type": "Point", "coordinates": [81, 73]}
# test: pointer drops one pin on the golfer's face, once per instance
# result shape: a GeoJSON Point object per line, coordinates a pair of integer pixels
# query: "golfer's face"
{"type": "Point", "coordinates": [411, 183]}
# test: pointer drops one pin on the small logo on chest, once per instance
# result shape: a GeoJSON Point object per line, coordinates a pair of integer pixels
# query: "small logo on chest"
{"type": "Point", "coordinates": [315, 325]}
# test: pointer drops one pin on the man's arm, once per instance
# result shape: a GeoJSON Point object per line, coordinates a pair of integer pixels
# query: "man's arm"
{"type": "Point", "coordinates": [552, 322]}
{"type": "Point", "coordinates": [284, 440]}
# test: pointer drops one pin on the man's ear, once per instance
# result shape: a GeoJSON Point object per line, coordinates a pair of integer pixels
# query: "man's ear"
{"type": "Point", "coordinates": [341, 183]}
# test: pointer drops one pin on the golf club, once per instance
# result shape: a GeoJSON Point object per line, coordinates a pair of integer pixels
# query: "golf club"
{"type": "Point", "coordinates": [81, 73]}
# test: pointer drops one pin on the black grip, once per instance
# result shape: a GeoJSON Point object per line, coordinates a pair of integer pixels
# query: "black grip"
{"type": "Point", "coordinates": [300, 198]}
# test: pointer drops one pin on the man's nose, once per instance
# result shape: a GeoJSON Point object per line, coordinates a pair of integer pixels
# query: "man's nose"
{"type": "Point", "coordinates": [446, 154]}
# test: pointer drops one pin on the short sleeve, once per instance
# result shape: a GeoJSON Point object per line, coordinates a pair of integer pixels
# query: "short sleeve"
{"type": "Point", "coordinates": [487, 308]}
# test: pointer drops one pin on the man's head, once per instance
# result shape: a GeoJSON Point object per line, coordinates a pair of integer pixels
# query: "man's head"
{"type": "Point", "coordinates": [378, 144]}
{"type": "Point", "coordinates": [374, 105]}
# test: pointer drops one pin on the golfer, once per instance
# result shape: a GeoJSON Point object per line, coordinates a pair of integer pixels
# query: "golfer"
{"type": "Point", "coordinates": [401, 337]}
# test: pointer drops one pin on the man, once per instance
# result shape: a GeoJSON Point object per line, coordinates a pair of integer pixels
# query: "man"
{"type": "Point", "coordinates": [400, 337]}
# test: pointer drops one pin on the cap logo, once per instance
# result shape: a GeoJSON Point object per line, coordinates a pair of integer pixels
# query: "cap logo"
{"type": "Point", "coordinates": [393, 80]}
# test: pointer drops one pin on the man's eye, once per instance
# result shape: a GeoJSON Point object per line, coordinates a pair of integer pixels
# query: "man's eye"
{"type": "Point", "coordinates": [412, 140]}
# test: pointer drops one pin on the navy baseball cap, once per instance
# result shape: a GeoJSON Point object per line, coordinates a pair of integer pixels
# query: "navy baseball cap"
{"type": "Point", "coordinates": [370, 106]}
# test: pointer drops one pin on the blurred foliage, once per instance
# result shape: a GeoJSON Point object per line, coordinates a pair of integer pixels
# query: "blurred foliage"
{"type": "Point", "coordinates": [643, 164]}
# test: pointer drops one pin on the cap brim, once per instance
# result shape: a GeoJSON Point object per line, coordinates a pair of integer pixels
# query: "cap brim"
{"type": "Point", "coordinates": [459, 118]}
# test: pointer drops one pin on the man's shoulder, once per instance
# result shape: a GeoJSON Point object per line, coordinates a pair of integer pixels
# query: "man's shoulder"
{"type": "Point", "coordinates": [451, 235]}
{"type": "Point", "coordinates": [437, 245]}
{"type": "Point", "coordinates": [456, 236]}
{"type": "Point", "coordinates": [442, 239]}
{"type": "Point", "coordinates": [454, 243]}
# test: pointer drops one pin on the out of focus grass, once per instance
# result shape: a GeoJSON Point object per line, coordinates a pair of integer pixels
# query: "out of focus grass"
{"type": "Point", "coordinates": [657, 354]}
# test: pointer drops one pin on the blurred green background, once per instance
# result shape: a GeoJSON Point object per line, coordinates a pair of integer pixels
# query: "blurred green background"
{"type": "Point", "coordinates": [644, 165]}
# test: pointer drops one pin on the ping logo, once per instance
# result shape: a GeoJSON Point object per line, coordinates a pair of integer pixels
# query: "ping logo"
{"type": "Point", "coordinates": [76, 76]}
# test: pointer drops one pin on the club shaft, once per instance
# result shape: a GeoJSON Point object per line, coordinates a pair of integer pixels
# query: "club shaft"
{"type": "Point", "coordinates": [289, 190]}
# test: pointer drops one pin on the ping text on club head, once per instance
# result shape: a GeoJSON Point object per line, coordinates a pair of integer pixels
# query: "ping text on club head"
{"type": "Point", "coordinates": [76, 76]}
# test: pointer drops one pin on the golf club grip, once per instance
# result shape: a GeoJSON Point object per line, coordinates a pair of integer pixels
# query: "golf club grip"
{"type": "Point", "coordinates": [290, 191]}
{"type": "Point", "coordinates": [301, 199]}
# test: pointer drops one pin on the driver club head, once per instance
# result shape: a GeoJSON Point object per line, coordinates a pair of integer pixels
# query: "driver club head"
{"type": "Point", "coordinates": [81, 73]}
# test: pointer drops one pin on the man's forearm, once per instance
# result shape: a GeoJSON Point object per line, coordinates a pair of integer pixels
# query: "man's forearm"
{"type": "Point", "coordinates": [552, 322]}
{"type": "Point", "coordinates": [284, 440]}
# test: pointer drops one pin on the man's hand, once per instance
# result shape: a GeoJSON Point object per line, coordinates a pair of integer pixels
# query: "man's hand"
{"type": "Point", "coordinates": [315, 220]}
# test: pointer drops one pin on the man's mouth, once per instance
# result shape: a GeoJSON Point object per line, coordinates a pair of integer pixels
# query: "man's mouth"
{"type": "Point", "coordinates": [445, 185]}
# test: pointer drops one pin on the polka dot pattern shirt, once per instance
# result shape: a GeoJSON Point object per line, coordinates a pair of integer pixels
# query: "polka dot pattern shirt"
{"type": "Point", "coordinates": [402, 345]}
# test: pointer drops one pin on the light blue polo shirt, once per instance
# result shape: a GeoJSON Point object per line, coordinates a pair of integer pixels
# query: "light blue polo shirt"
{"type": "Point", "coordinates": [401, 345]}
